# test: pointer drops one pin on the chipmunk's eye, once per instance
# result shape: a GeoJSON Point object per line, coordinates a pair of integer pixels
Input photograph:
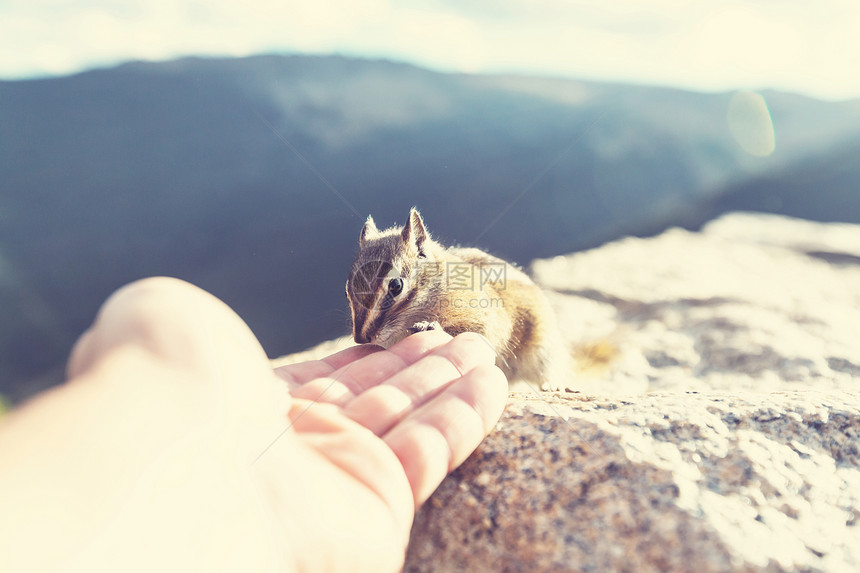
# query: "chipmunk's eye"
{"type": "Point", "coordinates": [395, 286]}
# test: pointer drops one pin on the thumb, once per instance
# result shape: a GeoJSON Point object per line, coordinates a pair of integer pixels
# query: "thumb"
{"type": "Point", "coordinates": [188, 331]}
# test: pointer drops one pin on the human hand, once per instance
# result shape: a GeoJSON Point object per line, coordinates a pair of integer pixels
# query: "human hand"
{"type": "Point", "coordinates": [169, 449]}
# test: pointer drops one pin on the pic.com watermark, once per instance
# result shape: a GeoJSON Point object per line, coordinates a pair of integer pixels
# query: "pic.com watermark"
{"type": "Point", "coordinates": [467, 302]}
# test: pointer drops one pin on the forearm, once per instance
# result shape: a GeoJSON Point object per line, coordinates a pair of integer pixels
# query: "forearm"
{"type": "Point", "coordinates": [107, 473]}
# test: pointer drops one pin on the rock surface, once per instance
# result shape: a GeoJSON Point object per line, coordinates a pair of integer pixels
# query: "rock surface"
{"type": "Point", "coordinates": [665, 482]}
{"type": "Point", "coordinates": [714, 423]}
{"type": "Point", "coordinates": [753, 302]}
{"type": "Point", "coordinates": [716, 426]}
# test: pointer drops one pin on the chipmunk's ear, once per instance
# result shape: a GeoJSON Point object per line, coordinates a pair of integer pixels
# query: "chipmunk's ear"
{"type": "Point", "coordinates": [414, 233]}
{"type": "Point", "coordinates": [367, 231]}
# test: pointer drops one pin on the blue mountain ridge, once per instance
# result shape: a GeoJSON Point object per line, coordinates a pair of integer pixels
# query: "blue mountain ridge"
{"type": "Point", "coordinates": [251, 177]}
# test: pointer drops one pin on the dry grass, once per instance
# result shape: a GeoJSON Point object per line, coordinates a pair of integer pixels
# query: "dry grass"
{"type": "Point", "coordinates": [595, 357]}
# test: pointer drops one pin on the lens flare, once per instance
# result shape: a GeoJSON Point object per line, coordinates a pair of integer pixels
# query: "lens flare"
{"type": "Point", "coordinates": [750, 123]}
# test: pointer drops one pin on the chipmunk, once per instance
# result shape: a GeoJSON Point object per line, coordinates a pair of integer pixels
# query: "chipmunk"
{"type": "Point", "coordinates": [402, 282]}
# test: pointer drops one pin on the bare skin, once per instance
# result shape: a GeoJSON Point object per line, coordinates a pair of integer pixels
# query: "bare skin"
{"type": "Point", "coordinates": [174, 446]}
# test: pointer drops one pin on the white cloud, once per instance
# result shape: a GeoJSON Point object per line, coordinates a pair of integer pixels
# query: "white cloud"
{"type": "Point", "coordinates": [701, 44]}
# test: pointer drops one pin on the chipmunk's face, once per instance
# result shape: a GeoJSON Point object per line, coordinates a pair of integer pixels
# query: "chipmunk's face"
{"type": "Point", "coordinates": [383, 287]}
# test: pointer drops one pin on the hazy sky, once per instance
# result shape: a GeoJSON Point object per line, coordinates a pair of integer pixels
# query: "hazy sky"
{"type": "Point", "coordinates": [811, 46]}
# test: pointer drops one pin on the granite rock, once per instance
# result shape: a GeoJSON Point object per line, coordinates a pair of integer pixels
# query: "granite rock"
{"type": "Point", "coordinates": [713, 424]}
{"type": "Point", "coordinates": [663, 482]}
{"type": "Point", "coordinates": [753, 302]}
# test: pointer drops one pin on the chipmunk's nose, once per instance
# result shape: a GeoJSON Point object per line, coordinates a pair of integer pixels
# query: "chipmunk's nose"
{"type": "Point", "coordinates": [361, 338]}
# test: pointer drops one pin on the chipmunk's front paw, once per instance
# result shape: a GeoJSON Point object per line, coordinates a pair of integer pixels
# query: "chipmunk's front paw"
{"type": "Point", "coordinates": [425, 325]}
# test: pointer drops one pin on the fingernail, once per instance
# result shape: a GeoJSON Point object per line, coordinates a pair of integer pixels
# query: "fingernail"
{"type": "Point", "coordinates": [477, 337]}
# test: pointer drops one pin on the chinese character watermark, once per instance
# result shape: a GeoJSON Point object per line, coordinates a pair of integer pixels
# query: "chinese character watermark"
{"type": "Point", "coordinates": [460, 276]}
{"type": "Point", "coordinates": [493, 274]}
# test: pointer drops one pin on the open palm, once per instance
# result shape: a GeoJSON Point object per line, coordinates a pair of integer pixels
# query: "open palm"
{"type": "Point", "coordinates": [387, 426]}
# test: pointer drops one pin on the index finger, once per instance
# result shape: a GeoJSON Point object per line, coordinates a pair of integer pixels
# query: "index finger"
{"type": "Point", "coordinates": [345, 383]}
{"type": "Point", "coordinates": [303, 372]}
